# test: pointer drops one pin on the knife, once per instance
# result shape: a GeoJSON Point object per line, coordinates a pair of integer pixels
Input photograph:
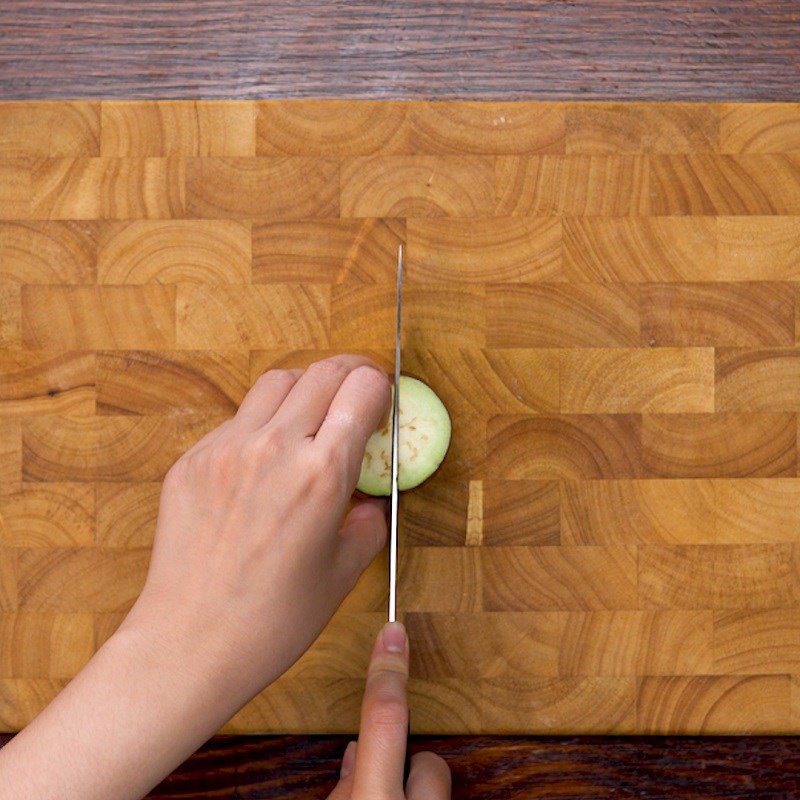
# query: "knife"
{"type": "Point", "coordinates": [395, 446]}
{"type": "Point", "coordinates": [395, 507]}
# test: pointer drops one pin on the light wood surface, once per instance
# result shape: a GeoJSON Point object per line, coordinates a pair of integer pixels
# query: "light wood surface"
{"type": "Point", "coordinates": [604, 296]}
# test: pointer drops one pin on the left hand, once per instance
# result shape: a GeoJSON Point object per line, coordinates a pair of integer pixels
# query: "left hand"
{"type": "Point", "coordinates": [251, 557]}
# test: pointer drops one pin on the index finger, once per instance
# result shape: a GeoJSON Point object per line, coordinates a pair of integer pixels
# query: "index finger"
{"type": "Point", "coordinates": [382, 740]}
{"type": "Point", "coordinates": [355, 413]}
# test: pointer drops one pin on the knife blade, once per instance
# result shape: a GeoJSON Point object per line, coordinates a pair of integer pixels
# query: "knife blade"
{"type": "Point", "coordinates": [395, 502]}
{"type": "Point", "coordinates": [393, 529]}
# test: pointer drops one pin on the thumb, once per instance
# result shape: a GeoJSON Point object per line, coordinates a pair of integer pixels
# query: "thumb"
{"type": "Point", "coordinates": [429, 778]}
{"type": "Point", "coordinates": [344, 788]}
{"type": "Point", "coordinates": [363, 536]}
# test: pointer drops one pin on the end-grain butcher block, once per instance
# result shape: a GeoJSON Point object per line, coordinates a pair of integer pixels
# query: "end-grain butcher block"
{"type": "Point", "coordinates": [603, 296]}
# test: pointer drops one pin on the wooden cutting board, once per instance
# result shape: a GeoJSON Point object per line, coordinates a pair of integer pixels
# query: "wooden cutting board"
{"type": "Point", "coordinates": [603, 295]}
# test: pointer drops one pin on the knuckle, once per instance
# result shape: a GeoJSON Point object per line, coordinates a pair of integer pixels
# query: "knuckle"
{"type": "Point", "coordinates": [323, 473]}
{"type": "Point", "coordinates": [326, 370]}
{"type": "Point", "coordinates": [319, 461]}
{"type": "Point", "coordinates": [386, 710]}
{"type": "Point", "coordinates": [224, 455]}
{"type": "Point", "coordinates": [370, 379]}
{"type": "Point", "coordinates": [266, 444]}
{"type": "Point", "coordinates": [273, 377]}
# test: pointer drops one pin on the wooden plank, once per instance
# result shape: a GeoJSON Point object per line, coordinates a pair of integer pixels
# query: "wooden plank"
{"type": "Point", "coordinates": [419, 186]}
{"type": "Point", "coordinates": [36, 382]}
{"type": "Point", "coordinates": [641, 249]}
{"type": "Point", "coordinates": [561, 315]}
{"type": "Point", "coordinates": [231, 188]}
{"type": "Point", "coordinates": [757, 379]}
{"type": "Point", "coordinates": [601, 512]}
{"type": "Point", "coordinates": [171, 383]}
{"type": "Point", "coordinates": [47, 515]}
{"type": "Point", "coordinates": [192, 128]}
{"type": "Point", "coordinates": [758, 248]}
{"type": "Point", "coordinates": [521, 513]}
{"type": "Point", "coordinates": [235, 318]}
{"type": "Point", "coordinates": [718, 577]}
{"type": "Point", "coordinates": [574, 446]}
{"type": "Point", "coordinates": [326, 250]}
{"type": "Point", "coordinates": [107, 188]}
{"type": "Point", "coordinates": [723, 445]}
{"type": "Point", "coordinates": [50, 130]}
{"type": "Point", "coordinates": [496, 249]}
{"type": "Point", "coordinates": [767, 128]}
{"type": "Point", "coordinates": [558, 578]}
{"type": "Point", "coordinates": [717, 314]}
{"type": "Point", "coordinates": [45, 645]}
{"type": "Point", "coordinates": [713, 704]}
{"type": "Point", "coordinates": [95, 317]}
{"type": "Point", "coordinates": [126, 514]}
{"type": "Point", "coordinates": [80, 579]}
{"type": "Point", "coordinates": [642, 128]}
{"type": "Point", "coordinates": [596, 185]}
{"type": "Point", "coordinates": [105, 448]}
{"type": "Point", "coordinates": [724, 184]}
{"type": "Point", "coordinates": [48, 252]}
{"type": "Point", "coordinates": [167, 251]}
{"type": "Point", "coordinates": [618, 381]}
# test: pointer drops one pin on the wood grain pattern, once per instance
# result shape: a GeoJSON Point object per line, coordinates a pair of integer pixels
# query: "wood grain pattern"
{"type": "Point", "coordinates": [577, 185]}
{"type": "Point", "coordinates": [186, 129]}
{"type": "Point", "coordinates": [641, 128]}
{"type": "Point", "coordinates": [717, 314]}
{"type": "Point", "coordinates": [634, 249]}
{"type": "Point", "coordinates": [174, 252]}
{"type": "Point", "coordinates": [758, 248]}
{"type": "Point", "coordinates": [48, 252]}
{"type": "Point", "coordinates": [419, 186]}
{"type": "Point", "coordinates": [719, 445]}
{"type": "Point", "coordinates": [265, 187]}
{"type": "Point", "coordinates": [558, 578]}
{"type": "Point", "coordinates": [37, 382]}
{"type": "Point", "coordinates": [639, 380]}
{"type": "Point", "coordinates": [47, 515]}
{"type": "Point", "coordinates": [513, 249]}
{"type": "Point", "coordinates": [695, 705]}
{"type": "Point", "coordinates": [518, 768]}
{"type": "Point", "coordinates": [562, 315]}
{"type": "Point", "coordinates": [50, 130]}
{"type": "Point", "coordinates": [599, 50]}
{"type": "Point", "coordinates": [577, 446]}
{"type": "Point", "coordinates": [633, 512]}
{"type": "Point", "coordinates": [724, 184]}
{"type": "Point", "coordinates": [325, 251]}
{"type": "Point", "coordinates": [95, 317]}
{"type": "Point", "coordinates": [605, 298]}
{"type": "Point", "coordinates": [769, 128]}
{"type": "Point", "coordinates": [154, 382]}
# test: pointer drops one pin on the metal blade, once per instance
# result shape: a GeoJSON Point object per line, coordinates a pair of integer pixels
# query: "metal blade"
{"type": "Point", "coordinates": [395, 446]}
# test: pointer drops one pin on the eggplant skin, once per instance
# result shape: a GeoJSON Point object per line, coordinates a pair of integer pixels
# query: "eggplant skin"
{"type": "Point", "coordinates": [425, 430]}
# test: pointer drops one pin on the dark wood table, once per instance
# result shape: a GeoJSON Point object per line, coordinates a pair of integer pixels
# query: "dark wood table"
{"type": "Point", "coordinates": [592, 49]}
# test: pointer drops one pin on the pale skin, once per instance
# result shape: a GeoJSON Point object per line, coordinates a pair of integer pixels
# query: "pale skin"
{"type": "Point", "coordinates": [250, 561]}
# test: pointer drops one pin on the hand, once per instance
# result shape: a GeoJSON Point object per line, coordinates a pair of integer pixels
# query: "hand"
{"type": "Point", "coordinates": [250, 561]}
{"type": "Point", "coordinates": [373, 768]}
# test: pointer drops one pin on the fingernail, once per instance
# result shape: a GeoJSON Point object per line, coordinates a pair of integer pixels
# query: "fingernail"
{"type": "Point", "coordinates": [348, 759]}
{"type": "Point", "coordinates": [394, 637]}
